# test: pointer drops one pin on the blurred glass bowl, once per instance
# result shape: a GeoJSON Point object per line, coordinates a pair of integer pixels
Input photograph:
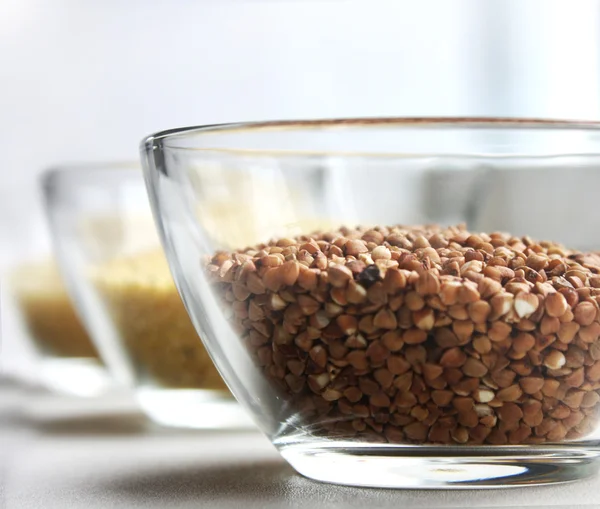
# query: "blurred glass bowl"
{"type": "Point", "coordinates": [121, 284]}
{"type": "Point", "coordinates": [394, 356]}
{"type": "Point", "coordinates": [68, 360]}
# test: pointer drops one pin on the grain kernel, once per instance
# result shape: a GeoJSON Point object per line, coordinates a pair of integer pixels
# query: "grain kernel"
{"type": "Point", "coordinates": [503, 378]}
{"type": "Point", "coordinates": [593, 372]}
{"type": "Point", "coordinates": [397, 364]}
{"type": "Point", "coordinates": [453, 358]}
{"type": "Point", "coordinates": [432, 371]}
{"type": "Point", "coordinates": [318, 382]}
{"type": "Point", "coordinates": [549, 325]}
{"type": "Point", "coordinates": [442, 398]}
{"type": "Point", "coordinates": [414, 336]}
{"type": "Point", "coordinates": [380, 399]}
{"type": "Point", "coordinates": [463, 404]}
{"type": "Point", "coordinates": [519, 435]}
{"type": "Point", "coordinates": [458, 312]}
{"type": "Point", "coordinates": [420, 413]}
{"type": "Point", "coordinates": [358, 359]}
{"type": "Point", "coordinates": [463, 329]}
{"type": "Point", "coordinates": [482, 344]}
{"type": "Point", "coordinates": [474, 368]}
{"type": "Point", "coordinates": [484, 395]}
{"type": "Point", "coordinates": [576, 378]}
{"type": "Point", "coordinates": [466, 386]}
{"type": "Point", "coordinates": [353, 394]}
{"type": "Point", "coordinates": [554, 360]}
{"type": "Point", "coordinates": [414, 301]}
{"type": "Point", "coordinates": [376, 294]}
{"type": "Point", "coordinates": [381, 253]}
{"type": "Point", "coordinates": [574, 398]}
{"type": "Point", "coordinates": [424, 319]}
{"type": "Point", "coordinates": [308, 305]}
{"type": "Point", "coordinates": [509, 412]}
{"type": "Point", "coordinates": [449, 292]}
{"type": "Point", "coordinates": [574, 419]}
{"type": "Point", "coordinates": [556, 304]}
{"type": "Point", "coordinates": [356, 341]}
{"type": "Point", "coordinates": [557, 433]}
{"type": "Point", "coordinates": [590, 333]}
{"type": "Point", "coordinates": [339, 275]}
{"type": "Point", "coordinates": [590, 399]}
{"type": "Point", "coordinates": [385, 319]}
{"type": "Point", "coordinates": [355, 293]}
{"type": "Point", "coordinates": [460, 435]}
{"type": "Point", "coordinates": [523, 342]}
{"type": "Point", "coordinates": [416, 431]}
{"type": "Point", "coordinates": [394, 280]}
{"type": "Point", "coordinates": [355, 247]}
{"type": "Point", "coordinates": [510, 393]}
{"type": "Point", "coordinates": [289, 272]}
{"type": "Point", "coordinates": [479, 311]}
{"type": "Point", "coordinates": [488, 287]}
{"type": "Point", "coordinates": [536, 262]}
{"type": "Point", "coordinates": [501, 304]}
{"type": "Point", "coordinates": [499, 331]}
{"type": "Point", "coordinates": [347, 323]}
{"type": "Point", "coordinates": [531, 384]}
{"type": "Point", "coordinates": [525, 304]}
{"type": "Point", "coordinates": [468, 293]}
{"type": "Point", "coordinates": [585, 313]}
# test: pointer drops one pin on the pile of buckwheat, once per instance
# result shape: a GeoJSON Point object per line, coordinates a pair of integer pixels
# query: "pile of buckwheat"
{"type": "Point", "coordinates": [422, 334]}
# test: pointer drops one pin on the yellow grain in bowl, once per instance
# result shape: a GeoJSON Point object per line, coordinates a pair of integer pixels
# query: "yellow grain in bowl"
{"type": "Point", "coordinates": [47, 312]}
{"type": "Point", "coordinates": [156, 331]}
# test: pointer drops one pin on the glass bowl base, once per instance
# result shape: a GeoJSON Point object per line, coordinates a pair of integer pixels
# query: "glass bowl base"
{"type": "Point", "coordinates": [84, 377]}
{"type": "Point", "coordinates": [192, 408]}
{"type": "Point", "coordinates": [388, 466]}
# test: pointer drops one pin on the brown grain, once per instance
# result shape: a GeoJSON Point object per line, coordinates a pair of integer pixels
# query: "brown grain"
{"type": "Point", "coordinates": [423, 335]}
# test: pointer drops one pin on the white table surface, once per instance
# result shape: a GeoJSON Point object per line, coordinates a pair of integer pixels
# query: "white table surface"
{"type": "Point", "coordinates": [59, 452]}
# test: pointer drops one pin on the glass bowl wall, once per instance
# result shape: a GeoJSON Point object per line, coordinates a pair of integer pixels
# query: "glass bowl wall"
{"type": "Point", "coordinates": [121, 283]}
{"type": "Point", "coordinates": [390, 355]}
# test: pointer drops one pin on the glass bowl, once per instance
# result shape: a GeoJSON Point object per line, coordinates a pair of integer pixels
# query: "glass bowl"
{"type": "Point", "coordinates": [422, 349]}
{"type": "Point", "coordinates": [119, 279]}
{"type": "Point", "coordinates": [67, 360]}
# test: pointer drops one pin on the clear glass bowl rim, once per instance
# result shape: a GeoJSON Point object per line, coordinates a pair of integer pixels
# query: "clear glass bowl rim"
{"type": "Point", "coordinates": [168, 138]}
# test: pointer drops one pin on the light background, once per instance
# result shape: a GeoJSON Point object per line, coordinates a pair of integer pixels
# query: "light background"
{"type": "Point", "coordinates": [85, 81]}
